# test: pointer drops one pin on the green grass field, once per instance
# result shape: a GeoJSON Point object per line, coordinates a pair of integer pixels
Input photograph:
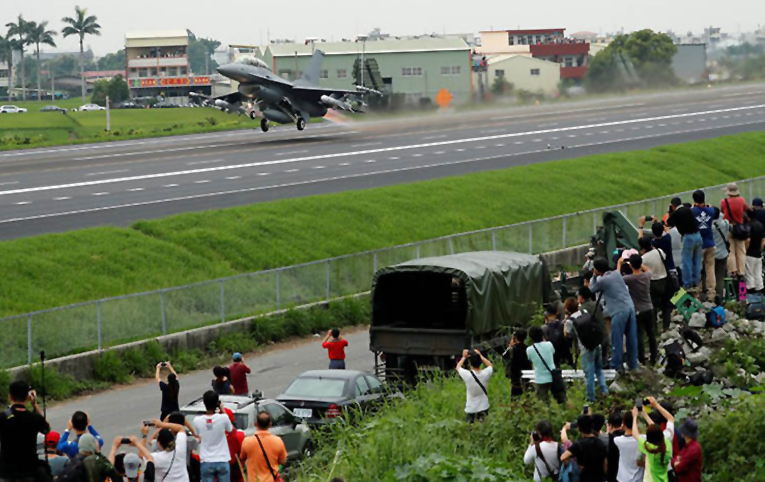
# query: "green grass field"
{"type": "Point", "coordinates": [58, 269]}
{"type": "Point", "coordinates": [38, 129]}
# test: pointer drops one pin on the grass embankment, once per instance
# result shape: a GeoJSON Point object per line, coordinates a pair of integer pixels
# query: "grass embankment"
{"type": "Point", "coordinates": [38, 129]}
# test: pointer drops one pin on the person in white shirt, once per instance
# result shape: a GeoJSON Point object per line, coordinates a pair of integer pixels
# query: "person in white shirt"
{"type": "Point", "coordinates": [214, 455]}
{"type": "Point", "coordinates": [629, 471]}
{"type": "Point", "coordinates": [170, 457]}
{"type": "Point", "coordinates": [544, 452]}
{"type": "Point", "coordinates": [476, 380]}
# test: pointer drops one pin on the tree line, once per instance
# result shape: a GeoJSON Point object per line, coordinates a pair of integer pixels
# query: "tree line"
{"type": "Point", "coordinates": [24, 33]}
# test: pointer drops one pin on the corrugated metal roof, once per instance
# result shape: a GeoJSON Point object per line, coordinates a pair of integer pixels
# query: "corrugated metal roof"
{"type": "Point", "coordinates": [424, 44]}
{"type": "Point", "coordinates": [156, 34]}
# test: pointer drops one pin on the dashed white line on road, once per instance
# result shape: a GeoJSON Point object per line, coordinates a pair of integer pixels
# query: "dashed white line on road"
{"type": "Point", "coordinates": [291, 153]}
{"type": "Point", "coordinates": [107, 172]}
{"type": "Point", "coordinates": [571, 135]}
{"type": "Point", "coordinates": [689, 122]}
{"type": "Point", "coordinates": [714, 118]}
{"type": "Point", "coordinates": [662, 125]}
{"type": "Point", "coordinates": [318, 167]}
{"type": "Point", "coordinates": [204, 162]}
{"type": "Point", "coordinates": [499, 145]}
{"type": "Point", "coordinates": [341, 164]}
{"type": "Point", "coordinates": [555, 138]}
{"type": "Point", "coordinates": [370, 161]}
{"type": "Point", "coordinates": [233, 178]}
{"type": "Point", "coordinates": [702, 120]}
{"type": "Point", "coordinates": [619, 130]}
{"type": "Point", "coordinates": [367, 144]}
{"type": "Point", "coordinates": [459, 150]}
{"type": "Point", "coordinates": [440, 136]}
{"type": "Point", "coordinates": [649, 127]}
{"type": "Point", "coordinates": [394, 158]}
{"type": "Point", "coordinates": [136, 189]}
{"type": "Point", "coordinates": [416, 155]}
{"type": "Point", "coordinates": [477, 147]}
{"type": "Point", "coordinates": [170, 185]}
{"type": "Point", "coordinates": [636, 128]}
{"type": "Point", "coordinates": [293, 170]}
{"type": "Point", "coordinates": [438, 153]}
{"type": "Point", "coordinates": [204, 181]}
{"type": "Point", "coordinates": [100, 194]}
{"type": "Point", "coordinates": [22, 203]}
{"type": "Point", "coordinates": [537, 140]}
{"type": "Point", "coordinates": [65, 198]}
{"type": "Point", "coordinates": [605, 132]}
{"type": "Point", "coordinates": [588, 133]}
{"type": "Point", "coordinates": [10, 183]}
{"type": "Point", "coordinates": [263, 173]}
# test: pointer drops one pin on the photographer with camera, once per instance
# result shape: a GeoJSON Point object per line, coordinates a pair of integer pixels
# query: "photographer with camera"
{"type": "Point", "coordinates": [214, 456]}
{"type": "Point", "coordinates": [544, 452]}
{"type": "Point", "coordinates": [170, 390]}
{"type": "Point", "coordinates": [590, 451]}
{"type": "Point", "coordinates": [18, 437]}
{"type": "Point", "coordinates": [476, 380]}
{"type": "Point", "coordinates": [128, 465]}
{"type": "Point", "coordinates": [80, 424]}
{"type": "Point", "coordinates": [627, 450]}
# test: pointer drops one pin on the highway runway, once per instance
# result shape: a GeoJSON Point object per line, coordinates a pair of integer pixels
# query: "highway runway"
{"type": "Point", "coordinates": [72, 187]}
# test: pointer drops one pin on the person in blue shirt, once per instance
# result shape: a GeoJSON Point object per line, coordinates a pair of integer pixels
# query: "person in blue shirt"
{"type": "Point", "coordinates": [80, 424]}
{"type": "Point", "coordinates": [705, 216]}
{"type": "Point", "coordinates": [542, 356]}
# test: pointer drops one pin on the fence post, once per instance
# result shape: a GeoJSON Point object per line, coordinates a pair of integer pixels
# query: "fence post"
{"type": "Point", "coordinates": [162, 308]}
{"type": "Point", "coordinates": [418, 250]}
{"type": "Point", "coordinates": [653, 208]}
{"type": "Point", "coordinates": [98, 314]}
{"type": "Point", "coordinates": [222, 301]}
{"type": "Point", "coordinates": [493, 239]}
{"type": "Point", "coordinates": [374, 263]}
{"type": "Point", "coordinates": [329, 276]}
{"type": "Point", "coordinates": [751, 190]}
{"type": "Point", "coordinates": [531, 238]}
{"type": "Point", "coordinates": [451, 246]}
{"type": "Point", "coordinates": [594, 222]}
{"type": "Point", "coordinates": [565, 225]}
{"type": "Point", "coordinates": [29, 339]}
{"type": "Point", "coordinates": [278, 291]}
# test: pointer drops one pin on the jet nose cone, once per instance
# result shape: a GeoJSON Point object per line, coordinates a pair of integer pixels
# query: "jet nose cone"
{"type": "Point", "coordinates": [227, 70]}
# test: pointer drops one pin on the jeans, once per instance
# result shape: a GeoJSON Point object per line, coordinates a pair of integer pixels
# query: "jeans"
{"type": "Point", "coordinates": [211, 470]}
{"type": "Point", "coordinates": [646, 326]}
{"type": "Point", "coordinates": [592, 362]}
{"type": "Point", "coordinates": [624, 324]}
{"type": "Point", "coordinates": [691, 260]}
{"type": "Point", "coordinates": [337, 364]}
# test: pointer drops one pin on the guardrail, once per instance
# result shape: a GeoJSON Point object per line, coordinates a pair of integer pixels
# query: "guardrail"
{"type": "Point", "coordinates": [112, 321]}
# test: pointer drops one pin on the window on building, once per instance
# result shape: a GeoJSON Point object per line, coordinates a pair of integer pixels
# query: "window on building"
{"type": "Point", "coordinates": [539, 39]}
{"type": "Point", "coordinates": [3, 74]}
{"type": "Point", "coordinates": [499, 73]}
{"type": "Point", "coordinates": [510, 39]}
{"type": "Point", "coordinates": [324, 74]}
{"type": "Point", "coordinates": [534, 71]}
{"type": "Point", "coordinates": [184, 71]}
{"type": "Point", "coordinates": [568, 62]}
{"type": "Point", "coordinates": [530, 39]}
{"type": "Point", "coordinates": [153, 72]}
{"type": "Point", "coordinates": [173, 72]}
{"type": "Point", "coordinates": [416, 70]}
{"type": "Point", "coordinates": [446, 70]}
{"type": "Point", "coordinates": [342, 73]}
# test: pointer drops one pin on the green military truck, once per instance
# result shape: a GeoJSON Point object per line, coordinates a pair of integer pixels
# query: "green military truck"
{"type": "Point", "coordinates": [426, 311]}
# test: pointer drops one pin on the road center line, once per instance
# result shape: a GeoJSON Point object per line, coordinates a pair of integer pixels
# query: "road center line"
{"type": "Point", "coordinates": [373, 151]}
{"type": "Point", "coordinates": [106, 172]}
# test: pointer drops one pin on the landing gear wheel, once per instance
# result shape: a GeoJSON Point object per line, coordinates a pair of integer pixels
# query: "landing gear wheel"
{"type": "Point", "coordinates": [264, 125]}
{"type": "Point", "coordinates": [300, 124]}
{"type": "Point", "coordinates": [253, 116]}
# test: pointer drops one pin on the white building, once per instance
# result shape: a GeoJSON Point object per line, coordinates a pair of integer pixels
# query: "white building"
{"type": "Point", "coordinates": [4, 76]}
{"type": "Point", "coordinates": [525, 73]}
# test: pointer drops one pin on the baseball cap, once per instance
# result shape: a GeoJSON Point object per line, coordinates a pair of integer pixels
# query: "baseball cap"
{"type": "Point", "coordinates": [237, 356]}
{"type": "Point", "coordinates": [689, 428]}
{"type": "Point", "coordinates": [628, 252]}
{"type": "Point", "coordinates": [132, 465]}
{"type": "Point", "coordinates": [88, 443]}
{"type": "Point", "coordinates": [52, 439]}
{"type": "Point", "coordinates": [757, 202]}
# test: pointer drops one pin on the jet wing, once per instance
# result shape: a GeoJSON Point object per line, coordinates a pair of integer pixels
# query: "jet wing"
{"type": "Point", "coordinates": [232, 98]}
{"type": "Point", "coordinates": [319, 91]}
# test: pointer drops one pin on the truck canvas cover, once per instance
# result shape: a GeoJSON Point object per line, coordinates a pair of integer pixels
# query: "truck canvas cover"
{"type": "Point", "coordinates": [501, 288]}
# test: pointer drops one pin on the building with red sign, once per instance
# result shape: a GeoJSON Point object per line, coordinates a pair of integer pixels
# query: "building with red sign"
{"type": "Point", "coordinates": [158, 65]}
{"type": "Point", "coordinates": [545, 44]}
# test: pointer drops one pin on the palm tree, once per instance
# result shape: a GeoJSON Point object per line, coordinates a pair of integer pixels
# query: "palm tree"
{"type": "Point", "coordinates": [20, 29]}
{"type": "Point", "coordinates": [81, 26]}
{"type": "Point", "coordinates": [39, 34]}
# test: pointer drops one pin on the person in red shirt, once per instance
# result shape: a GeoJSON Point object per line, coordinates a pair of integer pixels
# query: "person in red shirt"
{"type": "Point", "coordinates": [234, 438]}
{"type": "Point", "coordinates": [733, 208]}
{"type": "Point", "coordinates": [238, 377]}
{"type": "Point", "coordinates": [336, 349]}
{"type": "Point", "coordinates": [689, 460]}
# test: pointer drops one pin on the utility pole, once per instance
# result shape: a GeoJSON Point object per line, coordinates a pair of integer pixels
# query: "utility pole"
{"type": "Point", "coordinates": [363, 39]}
{"type": "Point", "coordinates": [108, 117]}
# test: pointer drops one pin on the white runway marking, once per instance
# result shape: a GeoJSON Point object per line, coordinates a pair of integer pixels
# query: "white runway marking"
{"type": "Point", "coordinates": [100, 194]}
{"type": "Point", "coordinates": [136, 189]}
{"type": "Point", "coordinates": [107, 172]}
{"type": "Point", "coordinates": [10, 183]}
{"type": "Point", "coordinates": [233, 178]}
{"type": "Point", "coordinates": [23, 203]}
{"type": "Point", "coordinates": [195, 163]}
{"type": "Point", "coordinates": [65, 198]}
{"type": "Point", "coordinates": [205, 181]}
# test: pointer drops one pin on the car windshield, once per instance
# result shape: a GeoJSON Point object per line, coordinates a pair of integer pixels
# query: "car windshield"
{"type": "Point", "coordinates": [316, 387]}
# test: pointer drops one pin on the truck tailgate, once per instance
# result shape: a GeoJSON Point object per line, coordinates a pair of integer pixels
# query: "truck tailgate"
{"type": "Point", "coordinates": [417, 341]}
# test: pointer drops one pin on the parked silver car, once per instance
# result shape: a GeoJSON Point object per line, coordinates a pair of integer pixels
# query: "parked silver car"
{"type": "Point", "coordinates": [293, 430]}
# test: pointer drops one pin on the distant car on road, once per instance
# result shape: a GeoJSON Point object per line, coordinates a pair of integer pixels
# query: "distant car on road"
{"type": "Point", "coordinates": [166, 105]}
{"type": "Point", "coordinates": [12, 109]}
{"type": "Point", "coordinates": [53, 108]}
{"type": "Point", "coordinates": [294, 431]}
{"type": "Point", "coordinates": [128, 105]}
{"type": "Point", "coordinates": [320, 396]}
{"type": "Point", "coordinates": [89, 107]}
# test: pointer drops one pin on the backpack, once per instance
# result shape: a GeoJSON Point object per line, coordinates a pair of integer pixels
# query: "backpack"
{"type": "Point", "coordinates": [716, 317]}
{"type": "Point", "coordinates": [675, 359]}
{"type": "Point", "coordinates": [588, 330]}
{"type": "Point", "coordinates": [74, 471]}
{"type": "Point", "coordinates": [693, 339]}
{"type": "Point", "coordinates": [755, 306]}
{"type": "Point", "coordinates": [702, 378]}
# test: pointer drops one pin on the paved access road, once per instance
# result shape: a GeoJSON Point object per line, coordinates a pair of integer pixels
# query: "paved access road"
{"type": "Point", "coordinates": [121, 411]}
{"type": "Point", "coordinates": [58, 189]}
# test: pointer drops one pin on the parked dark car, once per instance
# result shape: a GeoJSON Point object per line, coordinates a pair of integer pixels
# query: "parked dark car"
{"type": "Point", "coordinates": [128, 105]}
{"type": "Point", "coordinates": [53, 108]}
{"type": "Point", "coordinates": [321, 396]}
{"type": "Point", "coordinates": [166, 105]}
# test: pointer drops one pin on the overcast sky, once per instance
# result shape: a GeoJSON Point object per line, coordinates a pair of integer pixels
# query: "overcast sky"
{"type": "Point", "coordinates": [249, 21]}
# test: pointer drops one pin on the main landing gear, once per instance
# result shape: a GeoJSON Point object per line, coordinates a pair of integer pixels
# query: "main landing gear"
{"type": "Point", "coordinates": [300, 124]}
{"type": "Point", "coordinates": [264, 125]}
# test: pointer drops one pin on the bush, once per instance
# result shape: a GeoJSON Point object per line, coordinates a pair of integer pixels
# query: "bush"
{"type": "Point", "coordinates": [110, 368]}
{"type": "Point", "coordinates": [136, 363]}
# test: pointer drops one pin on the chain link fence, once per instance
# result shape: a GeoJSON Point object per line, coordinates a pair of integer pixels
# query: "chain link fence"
{"type": "Point", "coordinates": [112, 321]}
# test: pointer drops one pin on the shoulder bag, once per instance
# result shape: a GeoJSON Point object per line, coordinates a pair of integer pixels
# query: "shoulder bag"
{"type": "Point", "coordinates": [724, 238]}
{"type": "Point", "coordinates": [739, 231]}
{"type": "Point", "coordinates": [555, 476]}
{"type": "Point", "coordinates": [558, 385]}
{"type": "Point", "coordinates": [277, 477]}
{"type": "Point", "coordinates": [479, 383]}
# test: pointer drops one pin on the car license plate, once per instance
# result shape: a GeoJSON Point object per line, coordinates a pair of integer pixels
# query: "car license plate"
{"type": "Point", "coordinates": [303, 412]}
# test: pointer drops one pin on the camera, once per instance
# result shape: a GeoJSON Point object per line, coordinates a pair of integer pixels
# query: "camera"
{"type": "Point", "coordinates": [125, 441]}
{"type": "Point", "coordinates": [148, 423]}
{"type": "Point", "coordinates": [535, 436]}
{"type": "Point", "coordinates": [648, 219]}
{"type": "Point", "coordinates": [585, 410]}
{"type": "Point", "coordinates": [163, 364]}
{"type": "Point", "coordinates": [639, 404]}
{"type": "Point", "coordinates": [590, 253]}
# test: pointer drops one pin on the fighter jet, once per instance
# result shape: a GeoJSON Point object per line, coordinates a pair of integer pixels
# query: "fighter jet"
{"type": "Point", "coordinates": [277, 99]}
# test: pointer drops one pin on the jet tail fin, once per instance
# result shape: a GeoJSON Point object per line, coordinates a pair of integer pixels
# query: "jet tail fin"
{"type": "Point", "coordinates": [313, 71]}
